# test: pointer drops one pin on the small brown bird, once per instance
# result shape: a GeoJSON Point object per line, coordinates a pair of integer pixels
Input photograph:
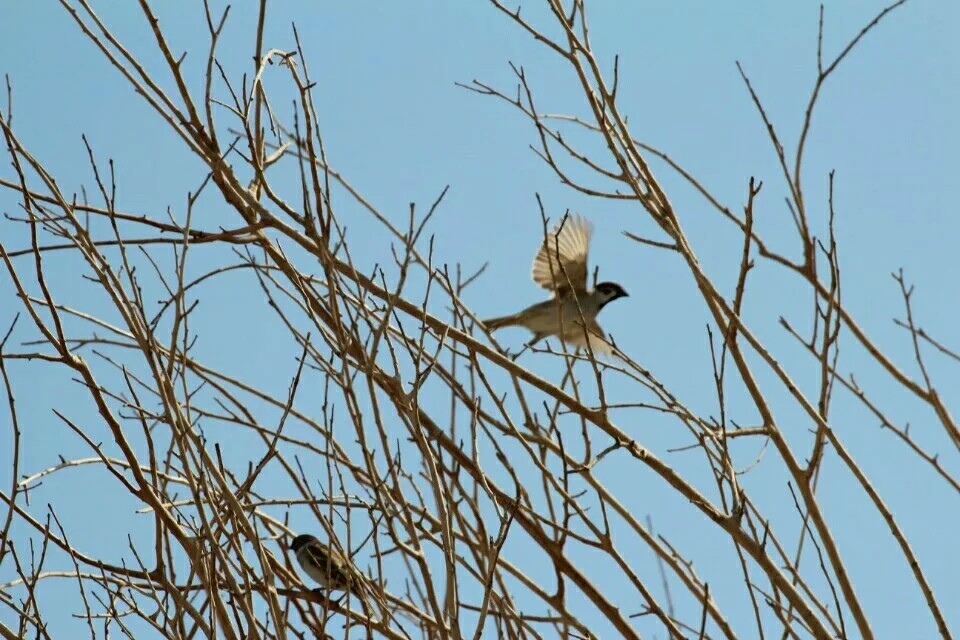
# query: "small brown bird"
{"type": "Point", "coordinates": [560, 266]}
{"type": "Point", "coordinates": [326, 565]}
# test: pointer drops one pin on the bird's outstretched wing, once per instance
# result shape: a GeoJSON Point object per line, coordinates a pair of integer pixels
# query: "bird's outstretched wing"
{"type": "Point", "coordinates": [560, 265]}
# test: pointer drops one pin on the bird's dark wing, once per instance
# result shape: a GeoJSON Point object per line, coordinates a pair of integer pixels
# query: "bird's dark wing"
{"type": "Point", "coordinates": [560, 265]}
{"type": "Point", "coordinates": [334, 566]}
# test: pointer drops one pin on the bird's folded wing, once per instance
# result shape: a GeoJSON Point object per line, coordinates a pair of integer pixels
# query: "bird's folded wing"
{"type": "Point", "coordinates": [561, 263]}
{"type": "Point", "coordinates": [334, 566]}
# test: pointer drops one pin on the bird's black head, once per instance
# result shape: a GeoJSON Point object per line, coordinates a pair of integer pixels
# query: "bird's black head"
{"type": "Point", "coordinates": [301, 541]}
{"type": "Point", "coordinates": [610, 291]}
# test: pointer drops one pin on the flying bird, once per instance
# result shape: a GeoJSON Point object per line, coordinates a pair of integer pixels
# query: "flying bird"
{"type": "Point", "coordinates": [560, 266]}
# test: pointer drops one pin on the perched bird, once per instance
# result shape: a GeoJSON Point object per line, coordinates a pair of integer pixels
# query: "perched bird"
{"type": "Point", "coordinates": [560, 266]}
{"type": "Point", "coordinates": [325, 564]}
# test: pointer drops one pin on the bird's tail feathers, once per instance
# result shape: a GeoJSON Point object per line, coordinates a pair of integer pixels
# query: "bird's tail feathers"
{"type": "Point", "coordinates": [492, 324]}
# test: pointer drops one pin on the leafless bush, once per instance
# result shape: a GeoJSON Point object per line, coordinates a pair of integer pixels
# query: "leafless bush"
{"type": "Point", "coordinates": [495, 516]}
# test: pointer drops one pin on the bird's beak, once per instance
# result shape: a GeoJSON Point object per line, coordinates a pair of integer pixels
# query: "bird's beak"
{"type": "Point", "coordinates": [624, 295]}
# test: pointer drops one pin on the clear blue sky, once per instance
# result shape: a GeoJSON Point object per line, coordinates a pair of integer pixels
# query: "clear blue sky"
{"type": "Point", "coordinates": [399, 129]}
